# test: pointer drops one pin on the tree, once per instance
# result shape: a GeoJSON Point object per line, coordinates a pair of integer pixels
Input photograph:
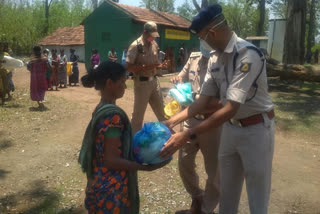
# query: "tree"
{"type": "Point", "coordinates": [23, 23]}
{"type": "Point", "coordinates": [311, 29]}
{"type": "Point", "coordinates": [47, 4]}
{"type": "Point", "coordinates": [295, 32]}
{"type": "Point", "coordinates": [159, 5]}
{"type": "Point", "coordinates": [279, 8]}
{"type": "Point", "coordinates": [186, 10]}
{"type": "Point", "coordinates": [204, 4]}
{"type": "Point", "coordinates": [262, 16]}
{"type": "Point", "coordinates": [242, 17]}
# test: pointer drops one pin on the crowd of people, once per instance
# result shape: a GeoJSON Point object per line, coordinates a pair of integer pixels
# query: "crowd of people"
{"type": "Point", "coordinates": [167, 56]}
{"type": "Point", "coordinates": [50, 70]}
{"type": "Point", "coordinates": [231, 122]}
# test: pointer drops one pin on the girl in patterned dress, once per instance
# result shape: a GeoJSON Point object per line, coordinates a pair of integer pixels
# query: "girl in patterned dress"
{"type": "Point", "coordinates": [106, 154]}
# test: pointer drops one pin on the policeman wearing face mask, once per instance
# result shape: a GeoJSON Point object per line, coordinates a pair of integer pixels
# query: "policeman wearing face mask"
{"type": "Point", "coordinates": [237, 76]}
{"type": "Point", "coordinates": [203, 201]}
{"type": "Point", "coordinates": [143, 61]}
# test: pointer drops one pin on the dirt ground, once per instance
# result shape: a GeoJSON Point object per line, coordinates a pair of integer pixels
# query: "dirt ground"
{"type": "Point", "coordinates": [39, 172]}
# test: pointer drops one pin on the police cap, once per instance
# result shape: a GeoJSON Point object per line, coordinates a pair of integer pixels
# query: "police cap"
{"type": "Point", "coordinates": [205, 17]}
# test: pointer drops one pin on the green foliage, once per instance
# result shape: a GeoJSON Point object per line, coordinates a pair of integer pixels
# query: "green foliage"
{"type": "Point", "coordinates": [279, 8]}
{"type": "Point", "coordinates": [243, 17]}
{"type": "Point", "coordinates": [159, 5]}
{"type": "Point", "coordinates": [315, 48]}
{"type": "Point", "coordinates": [23, 24]}
{"type": "Point", "coordinates": [186, 10]}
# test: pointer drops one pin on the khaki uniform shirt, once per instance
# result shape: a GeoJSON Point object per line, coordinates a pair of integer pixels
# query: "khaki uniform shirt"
{"type": "Point", "coordinates": [148, 55]}
{"type": "Point", "coordinates": [238, 84]}
{"type": "Point", "coordinates": [194, 71]}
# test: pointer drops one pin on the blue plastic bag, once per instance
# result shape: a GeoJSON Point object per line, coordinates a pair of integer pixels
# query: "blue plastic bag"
{"type": "Point", "coordinates": [182, 93]}
{"type": "Point", "coordinates": [148, 142]}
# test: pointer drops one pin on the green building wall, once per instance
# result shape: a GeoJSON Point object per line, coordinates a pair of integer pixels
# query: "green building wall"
{"type": "Point", "coordinates": [109, 27]}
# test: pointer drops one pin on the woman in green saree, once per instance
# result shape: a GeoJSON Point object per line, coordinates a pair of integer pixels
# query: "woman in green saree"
{"type": "Point", "coordinates": [106, 154]}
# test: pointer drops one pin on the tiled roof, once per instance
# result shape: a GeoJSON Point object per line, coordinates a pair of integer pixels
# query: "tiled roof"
{"type": "Point", "coordinates": [145, 15]}
{"type": "Point", "coordinates": [65, 36]}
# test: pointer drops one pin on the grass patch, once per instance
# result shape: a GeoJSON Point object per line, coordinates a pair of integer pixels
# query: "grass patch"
{"type": "Point", "coordinates": [297, 106]}
{"type": "Point", "coordinates": [21, 111]}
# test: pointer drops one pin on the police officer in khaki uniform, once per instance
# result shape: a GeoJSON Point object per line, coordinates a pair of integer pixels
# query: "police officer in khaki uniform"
{"type": "Point", "coordinates": [237, 74]}
{"type": "Point", "coordinates": [205, 200]}
{"type": "Point", "coordinates": [142, 60]}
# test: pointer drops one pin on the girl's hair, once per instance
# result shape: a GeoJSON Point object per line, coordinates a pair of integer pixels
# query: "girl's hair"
{"type": "Point", "coordinates": [37, 51]}
{"type": "Point", "coordinates": [94, 51]}
{"type": "Point", "coordinates": [106, 70]}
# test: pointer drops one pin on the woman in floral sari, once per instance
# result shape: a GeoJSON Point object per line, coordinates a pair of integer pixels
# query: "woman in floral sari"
{"type": "Point", "coordinates": [106, 154]}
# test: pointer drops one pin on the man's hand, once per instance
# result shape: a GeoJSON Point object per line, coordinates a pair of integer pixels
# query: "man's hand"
{"type": "Point", "coordinates": [170, 125]}
{"type": "Point", "coordinates": [175, 142]}
{"type": "Point", "coordinates": [176, 80]}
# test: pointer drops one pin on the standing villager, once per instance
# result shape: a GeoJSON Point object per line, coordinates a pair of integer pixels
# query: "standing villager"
{"type": "Point", "coordinates": [237, 76]}
{"type": "Point", "coordinates": [95, 59]}
{"type": "Point", "coordinates": [74, 77]}
{"type": "Point", "coordinates": [38, 66]}
{"type": "Point", "coordinates": [62, 69]}
{"type": "Point", "coordinates": [10, 84]}
{"type": "Point", "coordinates": [55, 69]}
{"type": "Point", "coordinates": [49, 70]}
{"type": "Point", "coordinates": [3, 75]}
{"type": "Point", "coordinates": [112, 55]}
{"type": "Point", "coordinates": [143, 61]}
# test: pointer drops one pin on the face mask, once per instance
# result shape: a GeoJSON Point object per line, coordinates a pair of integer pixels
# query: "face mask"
{"type": "Point", "coordinates": [150, 39]}
{"type": "Point", "coordinates": [205, 48]}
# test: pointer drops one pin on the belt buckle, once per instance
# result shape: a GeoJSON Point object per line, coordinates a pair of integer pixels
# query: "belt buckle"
{"type": "Point", "coordinates": [235, 122]}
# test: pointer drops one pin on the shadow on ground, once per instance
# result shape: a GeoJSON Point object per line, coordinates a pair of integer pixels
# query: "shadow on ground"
{"type": "Point", "coordinates": [298, 99]}
{"type": "Point", "coordinates": [38, 199]}
{"type": "Point", "coordinates": [4, 143]}
{"type": "Point", "coordinates": [38, 109]}
{"type": "Point", "coordinates": [3, 173]}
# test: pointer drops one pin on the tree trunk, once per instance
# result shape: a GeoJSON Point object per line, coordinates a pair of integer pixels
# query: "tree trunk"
{"type": "Point", "coordinates": [196, 5]}
{"type": "Point", "coordinates": [204, 4]}
{"type": "Point", "coordinates": [295, 32]}
{"type": "Point", "coordinates": [47, 7]}
{"type": "Point", "coordinates": [311, 31]}
{"type": "Point", "coordinates": [294, 72]}
{"type": "Point", "coordinates": [262, 14]}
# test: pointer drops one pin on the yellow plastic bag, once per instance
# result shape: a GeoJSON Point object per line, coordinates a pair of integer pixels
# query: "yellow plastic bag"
{"type": "Point", "coordinates": [172, 108]}
{"type": "Point", "coordinates": [69, 68]}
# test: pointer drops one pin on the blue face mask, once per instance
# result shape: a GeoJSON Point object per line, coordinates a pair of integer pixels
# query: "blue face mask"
{"type": "Point", "coordinates": [205, 48]}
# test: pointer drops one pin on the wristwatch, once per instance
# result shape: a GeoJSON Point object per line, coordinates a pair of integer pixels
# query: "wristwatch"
{"type": "Point", "coordinates": [192, 135]}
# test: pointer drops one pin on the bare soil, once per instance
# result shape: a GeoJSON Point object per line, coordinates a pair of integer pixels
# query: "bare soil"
{"type": "Point", "coordinates": [39, 172]}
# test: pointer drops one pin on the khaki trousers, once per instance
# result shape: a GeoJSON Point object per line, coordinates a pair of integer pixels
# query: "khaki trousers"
{"type": "Point", "coordinates": [208, 144]}
{"type": "Point", "coordinates": [146, 92]}
{"type": "Point", "coordinates": [246, 153]}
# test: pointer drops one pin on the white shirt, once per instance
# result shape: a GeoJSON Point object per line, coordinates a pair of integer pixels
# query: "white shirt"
{"type": "Point", "coordinates": [232, 78]}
